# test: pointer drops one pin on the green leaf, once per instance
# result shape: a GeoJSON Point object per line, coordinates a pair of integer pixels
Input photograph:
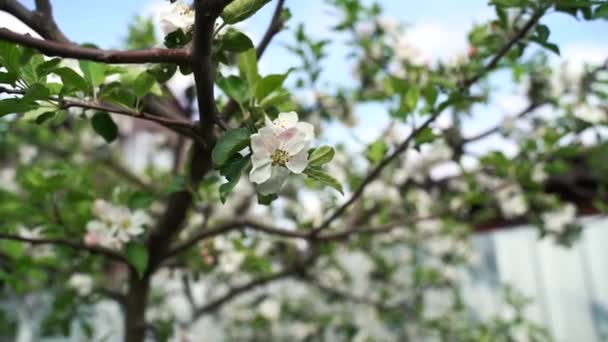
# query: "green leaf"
{"type": "Point", "coordinates": [177, 39]}
{"type": "Point", "coordinates": [28, 71]}
{"type": "Point", "coordinates": [137, 254]}
{"type": "Point", "coordinates": [141, 200]}
{"type": "Point", "coordinates": [376, 151]}
{"type": "Point", "coordinates": [321, 156]}
{"type": "Point", "coordinates": [47, 67]}
{"type": "Point", "coordinates": [42, 118]}
{"type": "Point", "coordinates": [117, 93]}
{"type": "Point", "coordinates": [232, 171]}
{"type": "Point", "coordinates": [248, 66]}
{"type": "Point", "coordinates": [551, 47]}
{"type": "Point", "coordinates": [236, 41]}
{"type": "Point", "coordinates": [411, 99]}
{"type": "Point", "coordinates": [13, 105]}
{"type": "Point", "coordinates": [426, 135]}
{"type": "Point", "coordinates": [281, 98]}
{"type": "Point", "coordinates": [234, 87]}
{"type": "Point", "coordinates": [8, 78]}
{"type": "Point", "coordinates": [542, 32]}
{"type": "Point", "coordinates": [266, 199]}
{"type": "Point", "coordinates": [601, 12]}
{"type": "Point", "coordinates": [239, 10]}
{"type": "Point", "coordinates": [9, 56]}
{"type": "Point", "coordinates": [268, 84]}
{"type": "Point", "coordinates": [163, 72]}
{"type": "Point", "coordinates": [104, 125]}
{"type": "Point", "coordinates": [143, 83]}
{"type": "Point", "coordinates": [229, 145]}
{"type": "Point", "coordinates": [36, 92]}
{"type": "Point", "coordinates": [71, 80]}
{"type": "Point", "coordinates": [93, 72]}
{"type": "Point", "coordinates": [324, 178]}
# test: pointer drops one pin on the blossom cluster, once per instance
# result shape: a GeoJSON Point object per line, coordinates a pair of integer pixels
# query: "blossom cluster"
{"type": "Point", "coordinates": [114, 226]}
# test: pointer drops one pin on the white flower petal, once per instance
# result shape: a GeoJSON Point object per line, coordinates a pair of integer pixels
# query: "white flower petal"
{"type": "Point", "coordinates": [298, 162]}
{"type": "Point", "coordinates": [275, 182]}
{"type": "Point", "coordinates": [307, 129]}
{"type": "Point", "coordinates": [292, 141]}
{"type": "Point", "coordinates": [287, 120]}
{"type": "Point", "coordinates": [259, 159]}
{"type": "Point", "coordinates": [260, 173]}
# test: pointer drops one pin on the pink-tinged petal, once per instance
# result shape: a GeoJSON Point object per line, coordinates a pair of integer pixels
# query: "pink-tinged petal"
{"type": "Point", "coordinates": [275, 182]}
{"type": "Point", "coordinates": [264, 141]}
{"type": "Point", "coordinates": [307, 129]}
{"type": "Point", "coordinates": [298, 162]}
{"type": "Point", "coordinates": [295, 143]}
{"type": "Point", "coordinates": [261, 173]}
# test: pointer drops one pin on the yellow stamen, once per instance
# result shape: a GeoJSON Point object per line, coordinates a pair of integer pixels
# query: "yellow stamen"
{"type": "Point", "coordinates": [279, 157]}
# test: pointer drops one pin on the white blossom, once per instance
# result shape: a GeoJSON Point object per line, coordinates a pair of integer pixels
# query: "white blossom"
{"type": "Point", "coordinates": [230, 260]}
{"type": "Point", "coordinates": [27, 153]}
{"type": "Point", "coordinates": [270, 309]}
{"type": "Point", "coordinates": [114, 225]}
{"type": "Point", "coordinates": [8, 180]}
{"type": "Point", "coordinates": [539, 174]}
{"type": "Point", "coordinates": [36, 251]}
{"type": "Point", "coordinates": [178, 17]}
{"type": "Point", "coordinates": [557, 220]}
{"type": "Point", "coordinates": [82, 283]}
{"type": "Point", "coordinates": [512, 201]}
{"type": "Point", "coordinates": [590, 114]}
{"type": "Point", "coordinates": [278, 148]}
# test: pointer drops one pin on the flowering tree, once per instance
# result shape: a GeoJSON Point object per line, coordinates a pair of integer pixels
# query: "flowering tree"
{"type": "Point", "coordinates": [238, 215]}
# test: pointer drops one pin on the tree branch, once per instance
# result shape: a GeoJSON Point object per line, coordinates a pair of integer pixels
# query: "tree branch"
{"type": "Point", "coordinates": [179, 126]}
{"type": "Point", "coordinates": [66, 50]}
{"type": "Point", "coordinates": [69, 244]}
{"type": "Point", "coordinates": [403, 146]}
{"type": "Point", "coordinates": [275, 26]}
{"type": "Point", "coordinates": [236, 291]}
{"type": "Point", "coordinates": [531, 108]}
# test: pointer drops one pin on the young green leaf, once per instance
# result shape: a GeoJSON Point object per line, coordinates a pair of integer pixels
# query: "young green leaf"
{"type": "Point", "coordinates": [10, 106]}
{"type": "Point", "coordinates": [268, 84]}
{"type": "Point", "coordinates": [234, 87]}
{"type": "Point", "coordinates": [36, 92]}
{"type": "Point", "coordinates": [93, 72]}
{"type": "Point", "coordinates": [47, 67]}
{"type": "Point", "coordinates": [137, 255]}
{"type": "Point", "coordinates": [236, 41]}
{"type": "Point", "coordinates": [229, 145]}
{"type": "Point", "coordinates": [143, 83]}
{"type": "Point", "coordinates": [239, 10]}
{"type": "Point", "coordinates": [324, 178]}
{"type": "Point", "coordinates": [248, 66]}
{"type": "Point", "coordinates": [232, 171]}
{"type": "Point", "coordinates": [321, 156]}
{"type": "Point", "coordinates": [104, 125]}
{"type": "Point", "coordinates": [376, 151]}
{"type": "Point", "coordinates": [71, 80]}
